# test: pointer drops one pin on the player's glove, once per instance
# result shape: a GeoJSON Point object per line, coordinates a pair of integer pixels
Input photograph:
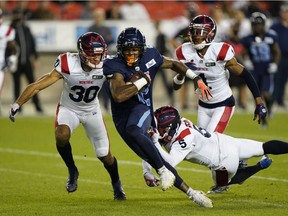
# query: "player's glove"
{"type": "Point", "coordinates": [201, 88]}
{"type": "Point", "coordinates": [260, 112]}
{"type": "Point", "coordinates": [201, 199]}
{"type": "Point", "coordinates": [14, 108]}
{"type": "Point", "coordinates": [154, 135]}
{"type": "Point", "coordinates": [272, 68]}
{"type": "Point", "coordinates": [12, 62]}
{"type": "Point", "coordinates": [151, 179]}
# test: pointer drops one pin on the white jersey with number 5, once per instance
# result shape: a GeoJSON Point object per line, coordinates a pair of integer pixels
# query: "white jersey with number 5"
{"type": "Point", "coordinates": [211, 65]}
{"type": "Point", "coordinates": [213, 150]}
{"type": "Point", "coordinates": [80, 89]}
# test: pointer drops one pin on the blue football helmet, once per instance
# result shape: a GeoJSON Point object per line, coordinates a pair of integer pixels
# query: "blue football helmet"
{"type": "Point", "coordinates": [202, 31]}
{"type": "Point", "coordinates": [167, 120]}
{"type": "Point", "coordinates": [131, 38]}
{"type": "Point", "coordinates": [89, 45]}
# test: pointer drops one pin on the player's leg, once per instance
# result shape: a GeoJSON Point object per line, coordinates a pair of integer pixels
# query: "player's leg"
{"type": "Point", "coordinates": [96, 132]}
{"type": "Point", "coordinates": [248, 148]}
{"type": "Point", "coordinates": [66, 121]}
{"type": "Point", "coordinates": [220, 118]}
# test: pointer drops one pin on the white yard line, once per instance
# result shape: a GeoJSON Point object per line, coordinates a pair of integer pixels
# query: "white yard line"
{"type": "Point", "coordinates": [78, 157]}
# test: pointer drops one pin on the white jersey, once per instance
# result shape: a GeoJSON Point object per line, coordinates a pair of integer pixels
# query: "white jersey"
{"type": "Point", "coordinates": [213, 150]}
{"type": "Point", "coordinates": [80, 88]}
{"type": "Point", "coordinates": [6, 34]}
{"type": "Point", "coordinates": [211, 65]}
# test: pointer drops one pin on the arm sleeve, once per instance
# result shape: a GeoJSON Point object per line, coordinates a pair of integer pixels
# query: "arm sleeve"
{"type": "Point", "coordinates": [251, 83]}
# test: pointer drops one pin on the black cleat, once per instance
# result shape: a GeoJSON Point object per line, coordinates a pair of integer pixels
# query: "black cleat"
{"type": "Point", "coordinates": [71, 184]}
{"type": "Point", "coordinates": [119, 193]}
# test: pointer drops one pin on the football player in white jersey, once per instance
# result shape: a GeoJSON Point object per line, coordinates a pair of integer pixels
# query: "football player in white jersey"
{"type": "Point", "coordinates": [212, 61]}
{"type": "Point", "coordinates": [219, 152]}
{"type": "Point", "coordinates": [8, 46]}
{"type": "Point", "coordinates": [82, 75]}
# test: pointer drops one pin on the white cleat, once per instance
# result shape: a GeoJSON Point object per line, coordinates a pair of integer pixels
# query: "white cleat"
{"type": "Point", "coordinates": [167, 178]}
{"type": "Point", "coordinates": [201, 199]}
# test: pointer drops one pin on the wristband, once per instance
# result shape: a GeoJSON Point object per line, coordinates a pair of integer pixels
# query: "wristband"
{"type": "Point", "coordinates": [140, 83]}
{"type": "Point", "coordinates": [190, 74]}
{"type": "Point", "coordinates": [177, 81]}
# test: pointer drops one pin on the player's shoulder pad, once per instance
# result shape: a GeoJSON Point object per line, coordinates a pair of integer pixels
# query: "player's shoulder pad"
{"type": "Point", "coordinates": [224, 51]}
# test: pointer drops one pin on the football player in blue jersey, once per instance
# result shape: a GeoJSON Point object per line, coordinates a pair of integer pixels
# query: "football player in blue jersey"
{"type": "Point", "coordinates": [131, 100]}
{"type": "Point", "coordinates": [264, 53]}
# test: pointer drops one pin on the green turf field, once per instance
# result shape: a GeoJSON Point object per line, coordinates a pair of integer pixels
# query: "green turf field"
{"type": "Point", "coordinates": [33, 176]}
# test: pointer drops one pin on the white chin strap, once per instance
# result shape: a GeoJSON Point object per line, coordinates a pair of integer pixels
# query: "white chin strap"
{"type": "Point", "coordinates": [94, 66]}
{"type": "Point", "coordinates": [200, 46]}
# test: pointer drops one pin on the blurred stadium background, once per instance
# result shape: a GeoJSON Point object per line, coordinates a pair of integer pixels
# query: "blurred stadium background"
{"type": "Point", "coordinates": [59, 33]}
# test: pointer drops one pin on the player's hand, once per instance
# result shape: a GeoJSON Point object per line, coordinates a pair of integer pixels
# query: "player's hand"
{"type": "Point", "coordinates": [12, 62]}
{"type": "Point", "coordinates": [12, 112]}
{"type": "Point", "coordinates": [201, 88]}
{"type": "Point", "coordinates": [272, 68]}
{"type": "Point", "coordinates": [154, 135]}
{"type": "Point", "coordinates": [201, 199]}
{"type": "Point", "coordinates": [151, 179]}
{"type": "Point", "coordinates": [260, 112]}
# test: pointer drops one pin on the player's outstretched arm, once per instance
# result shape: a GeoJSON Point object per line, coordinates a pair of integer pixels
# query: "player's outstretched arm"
{"type": "Point", "coordinates": [32, 89]}
{"type": "Point", "coordinates": [238, 69]}
{"type": "Point", "coordinates": [184, 71]}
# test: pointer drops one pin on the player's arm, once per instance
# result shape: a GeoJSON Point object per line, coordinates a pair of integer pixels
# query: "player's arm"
{"type": "Point", "coordinates": [12, 59]}
{"type": "Point", "coordinates": [183, 71]}
{"type": "Point", "coordinates": [276, 55]}
{"type": "Point", "coordinates": [235, 67]}
{"type": "Point", "coordinates": [122, 91]}
{"type": "Point", "coordinates": [32, 89]}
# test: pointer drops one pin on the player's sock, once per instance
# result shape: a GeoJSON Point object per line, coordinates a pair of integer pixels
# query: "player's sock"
{"type": "Point", "coordinates": [113, 171]}
{"type": "Point", "coordinates": [66, 154]}
{"type": "Point", "coordinates": [275, 147]}
{"type": "Point", "coordinates": [244, 173]}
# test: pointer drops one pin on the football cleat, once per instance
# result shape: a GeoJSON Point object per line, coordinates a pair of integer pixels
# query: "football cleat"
{"type": "Point", "coordinates": [119, 193]}
{"type": "Point", "coordinates": [200, 198]}
{"type": "Point", "coordinates": [265, 162]}
{"type": "Point", "coordinates": [71, 184]}
{"type": "Point", "coordinates": [167, 178]}
{"type": "Point", "coordinates": [218, 189]}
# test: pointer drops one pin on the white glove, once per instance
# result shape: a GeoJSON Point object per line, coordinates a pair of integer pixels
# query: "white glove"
{"type": "Point", "coordinates": [12, 62]}
{"type": "Point", "coordinates": [154, 135]}
{"type": "Point", "coordinates": [201, 199]}
{"type": "Point", "coordinates": [151, 179]}
{"type": "Point", "coordinates": [272, 68]}
{"type": "Point", "coordinates": [248, 64]}
{"type": "Point", "coordinates": [12, 112]}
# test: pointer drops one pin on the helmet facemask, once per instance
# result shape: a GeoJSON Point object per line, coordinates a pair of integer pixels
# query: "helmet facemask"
{"type": "Point", "coordinates": [202, 31]}
{"type": "Point", "coordinates": [92, 50]}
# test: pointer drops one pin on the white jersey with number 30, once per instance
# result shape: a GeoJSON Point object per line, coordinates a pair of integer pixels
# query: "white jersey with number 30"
{"type": "Point", "coordinates": [80, 89]}
{"type": "Point", "coordinates": [211, 65]}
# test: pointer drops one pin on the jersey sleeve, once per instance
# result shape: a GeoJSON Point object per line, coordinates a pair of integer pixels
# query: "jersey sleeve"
{"type": "Point", "coordinates": [61, 63]}
{"type": "Point", "coordinates": [10, 34]}
{"type": "Point", "coordinates": [226, 52]}
{"type": "Point", "coordinates": [181, 148]}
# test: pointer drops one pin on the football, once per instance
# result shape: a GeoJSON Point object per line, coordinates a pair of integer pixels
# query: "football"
{"type": "Point", "coordinates": [134, 77]}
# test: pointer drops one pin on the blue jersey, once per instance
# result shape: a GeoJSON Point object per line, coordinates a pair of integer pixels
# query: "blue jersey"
{"type": "Point", "coordinates": [150, 61]}
{"type": "Point", "coordinates": [260, 50]}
